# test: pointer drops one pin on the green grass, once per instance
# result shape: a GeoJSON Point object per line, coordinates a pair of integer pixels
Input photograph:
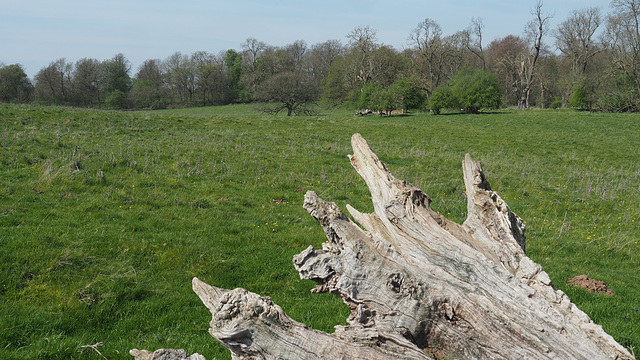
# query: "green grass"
{"type": "Point", "coordinates": [106, 216]}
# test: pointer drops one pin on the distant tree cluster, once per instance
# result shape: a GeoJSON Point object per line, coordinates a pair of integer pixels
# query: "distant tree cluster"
{"type": "Point", "coordinates": [594, 64]}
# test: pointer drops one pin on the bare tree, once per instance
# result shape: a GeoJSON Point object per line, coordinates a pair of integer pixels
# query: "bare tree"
{"type": "Point", "coordinates": [326, 52]}
{"type": "Point", "coordinates": [535, 30]}
{"type": "Point", "coordinates": [474, 40]}
{"type": "Point", "coordinates": [504, 57]}
{"type": "Point", "coordinates": [53, 83]}
{"type": "Point", "coordinates": [212, 82]}
{"type": "Point", "coordinates": [252, 49]}
{"type": "Point", "coordinates": [623, 29]}
{"type": "Point", "coordinates": [427, 39]}
{"type": "Point", "coordinates": [181, 77]}
{"type": "Point", "coordinates": [437, 57]}
{"type": "Point", "coordinates": [296, 51]}
{"type": "Point", "coordinates": [575, 38]}
{"type": "Point", "coordinates": [363, 40]}
{"type": "Point", "coordinates": [318, 60]}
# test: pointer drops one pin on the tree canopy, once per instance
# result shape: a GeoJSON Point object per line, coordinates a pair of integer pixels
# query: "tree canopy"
{"type": "Point", "coordinates": [14, 84]}
{"type": "Point", "coordinates": [594, 59]}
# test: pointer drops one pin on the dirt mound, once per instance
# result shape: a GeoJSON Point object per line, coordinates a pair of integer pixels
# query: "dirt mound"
{"type": "Point", "coordinates": [590, 285]}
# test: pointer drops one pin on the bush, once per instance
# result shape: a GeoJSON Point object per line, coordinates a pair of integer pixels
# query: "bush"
{"type": "Point", "coordinates": [476, 89]}
{"type": "Point", "coordinates": [364, 98]}
{"type": "Point", "coordinates": [470, 89]}
{"type": "Point", "coordinates": [578, 98]}
{"type": "Point", "coordinates": [620, 102]}
{"type": "Point", "coordinates": [442, 98]}
{"type": "Point", "coordinates": [556, 103]}
{"type": "Point", "coordinates": [621, 97]}
{"type": "Point", "coordinates": [116, 100]}
{"type": "Point", "coordinates": [408, 93]}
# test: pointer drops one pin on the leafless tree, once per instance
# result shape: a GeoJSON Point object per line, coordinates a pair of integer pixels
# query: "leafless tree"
{"type": "Point", "coordinates": [575, 38]}
{"type": "Point", "coordinates": [53, 82]}
{"type": "Point", "coordinates": [296, 51]}
{"type": "Point", "coordinates": [181, 77]}
{"type": "Point", "coordinates": [535, 31]}
{"type": "Point", "coordinates": [474, 40]}
{"type": "Point", "coordinates": [437, 57]}
{"type": "Point", "coordinates": [252, 48]}
{"type": "Point", "coordinates": [623, 28]}
{"type": "Point", "coordinates": [362, 41]}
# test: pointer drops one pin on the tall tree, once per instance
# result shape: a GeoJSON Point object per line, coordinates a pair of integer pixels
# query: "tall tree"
{"type": "Point", "coordinates": [338, 84]}
{"type": "Point", "coordinates": [115, 74]}
{"type": "Point", "coordinates": [474, 40]}
{"type": "Point", "coordinates": [535, 31]}
{"type": "Point", "coordinates": [150, 70]}
{"type": "Point", "coordinates": [321, 56]}
{"type": "Point", "coordinates": [233, 66]}
{"type": "Point", "coordinates": [506, 56]}
{"type": "Point", "coordinates": [14, 84]}
{"type": "Point", "coordinates": [53, 82]}
{"type": "Point", "coordinates": [575, 38]}
{"type": "Point", "coordinates": [436, 57]}
{"type": "Point", "coordinates": [290, 91]}
{"type": "Point", "coordinates": [362, 41]}
{"type": "Point", "coordinates": [387, 65]}
{"type": "Point", "coordinates": [149, 89]}
{"type": "Point", "coordinates": [624, 31]}
{"type": "Point", "coordinates": [212, 80]}
{"type": "Point", "coordinates": [549, 81]}
{"type": "Point", "coordinates": [252, 49]}
{"type": "Point", "coordinates": [296, 51]}
{"type": "Point", "coordinates": [180, 76]}
{"type": "Point", "coordinates": [85, 82]}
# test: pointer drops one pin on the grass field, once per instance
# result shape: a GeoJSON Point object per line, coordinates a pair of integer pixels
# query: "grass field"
{"type": "Point", "coordinates": [105, 217]}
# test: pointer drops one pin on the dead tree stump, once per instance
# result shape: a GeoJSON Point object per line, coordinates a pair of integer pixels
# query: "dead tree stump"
{"type": "Point", "coordinates": [418, 285]}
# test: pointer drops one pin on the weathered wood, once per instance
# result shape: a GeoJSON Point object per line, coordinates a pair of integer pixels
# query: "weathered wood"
{"type": "Point", "coordinates": [418, 285]}
{"type": "Point", "coordinates": [164, 354]}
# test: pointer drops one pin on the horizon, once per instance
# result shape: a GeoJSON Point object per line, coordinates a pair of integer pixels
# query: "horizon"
{"type": "Point", "coordinates": [142, 30]}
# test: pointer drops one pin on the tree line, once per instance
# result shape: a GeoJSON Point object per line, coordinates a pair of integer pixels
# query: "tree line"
{"type": "Point", "coordinates": [593, 64]}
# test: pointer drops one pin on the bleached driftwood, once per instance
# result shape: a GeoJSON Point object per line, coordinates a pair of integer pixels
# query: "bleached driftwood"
{"type": "Point", "coordinates": [164, 354]}
{"type": "Point", "coordinates": [418, 285]}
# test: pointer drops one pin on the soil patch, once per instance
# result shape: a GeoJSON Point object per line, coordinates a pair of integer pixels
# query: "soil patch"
{"type": "Point", "coordinates": [591, 285]}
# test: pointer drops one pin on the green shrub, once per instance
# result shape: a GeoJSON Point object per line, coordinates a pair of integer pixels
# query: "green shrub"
{"type": "Point", "coordinates": [469, 90]}
{"type": "Point", "coordinates": [408, 93]}
{"type": "Point", "coordinates": [442, 98]}
{"type": "Point", "coordinates": [621, 97]}
{"type": "Point", "coordinates": [556, 102]}
{"type": "Point", "coordinates": [578, 98]}
{"type": "Point", "coordinates": [364, 99]}
{"type": "Point", "coordinates": [476, 89]}
{"type": "Point", "coordinates": [116, 100]}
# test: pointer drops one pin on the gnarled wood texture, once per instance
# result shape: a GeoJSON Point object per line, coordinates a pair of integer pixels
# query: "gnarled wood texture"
{"type": "Point", "coordinates": [418, 285]}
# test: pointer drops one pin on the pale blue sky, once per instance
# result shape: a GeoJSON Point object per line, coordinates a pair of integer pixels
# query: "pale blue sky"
{"type": "Point", "coordinates": [37, 32]}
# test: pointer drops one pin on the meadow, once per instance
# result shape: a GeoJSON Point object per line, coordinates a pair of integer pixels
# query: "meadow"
{"type": "Point", "coordinates": [105, 217]}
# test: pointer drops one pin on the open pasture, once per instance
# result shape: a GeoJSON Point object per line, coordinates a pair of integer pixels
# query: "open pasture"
{"type": "Point", "coordinates": [105, 217]}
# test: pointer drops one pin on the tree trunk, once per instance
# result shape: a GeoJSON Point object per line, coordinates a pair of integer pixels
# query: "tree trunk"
{"type": "Point", "coordinates": [419, 286]}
